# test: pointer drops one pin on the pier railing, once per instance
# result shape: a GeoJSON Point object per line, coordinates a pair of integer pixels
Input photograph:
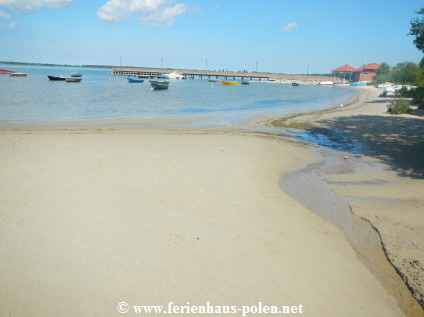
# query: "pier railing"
{"type": "Point", "coordinates": [154, 72]}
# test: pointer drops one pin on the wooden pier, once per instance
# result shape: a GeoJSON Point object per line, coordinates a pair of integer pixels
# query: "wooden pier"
{"type": "Point", "coordinates": [192, 74]}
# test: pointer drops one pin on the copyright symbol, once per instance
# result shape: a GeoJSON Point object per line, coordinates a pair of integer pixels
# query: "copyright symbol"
{"type": "Point", "coordinates": [122, 307]}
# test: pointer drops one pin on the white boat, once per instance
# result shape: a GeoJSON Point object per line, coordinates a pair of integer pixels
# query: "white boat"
{"type": "Point", "coordinates": [326, 83]}
{"type": "Point", "coordinates": [174, 75]}
{"type": "Point", "coordinates": [18, 74]}
{"type": "Point", "coordinates": [73, 79]}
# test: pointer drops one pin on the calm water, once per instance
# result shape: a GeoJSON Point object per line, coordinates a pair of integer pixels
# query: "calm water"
{"type": "Point", "coordinates": [102, 95]}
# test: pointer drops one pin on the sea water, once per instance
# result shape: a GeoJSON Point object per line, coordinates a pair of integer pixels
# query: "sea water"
{"type": "Point", "coordinates": [102, 95]}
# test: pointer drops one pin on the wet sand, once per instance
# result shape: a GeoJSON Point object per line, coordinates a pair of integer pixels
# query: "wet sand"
{"type": "Point", "coordinates": [90, 218]}
{"type": "Point", "coordinates": [383, 187]}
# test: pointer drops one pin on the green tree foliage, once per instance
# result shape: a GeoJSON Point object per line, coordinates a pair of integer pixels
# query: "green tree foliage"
{"type": "Point", "coordinates": [418, 97]}
{"type": "Point", "coordinates": [402, 73]}
{"type": "Point", "coordinates": [400, 106]}
{"type": "Point", "coordinates": [417, 29]}
{"type": "Point", "coordinates": [383, 74]}
{"type": "Point", "coordinates": [405, 73]}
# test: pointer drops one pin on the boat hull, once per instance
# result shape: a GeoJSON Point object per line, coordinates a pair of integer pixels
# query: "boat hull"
{"type": "Point", "coordinates": [75, 74]}
{"type": "Point", "coordinates": [18, 75]}
{"type": "Point", "coordinates": [159, 85]}
{"type": "Point", "coordinates": [173, 75]}
{"type": "Point", "coordinates": [6, 71]}
{"type": "Point", "coordinates": [135, 80]}
{"type": "Point", "coordinates": [358, 84]}
{"type": "Point", "coordinates": [326, 83]}
{"type": "Point", "coordinates": [56, 78]}
{"type": "Point", "coordinates": [73, 80]}
{"type": "Point", "coordinates": [229, 83]}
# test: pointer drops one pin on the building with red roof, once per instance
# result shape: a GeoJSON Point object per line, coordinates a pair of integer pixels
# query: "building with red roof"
{"type": "Point", "coordinates": [344, 68]}
{"type": "Point", "coordinates": [364, 73]}
{"type": "Point", "coordinates": [345, 72]}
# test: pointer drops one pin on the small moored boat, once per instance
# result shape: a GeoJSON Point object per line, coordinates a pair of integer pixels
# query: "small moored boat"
{"type": "Point", "coordinates": [75, 74]}
{"type": "Point", "coordinates": [135, 80]}
{"type": "Point", "coordinates": [229, 83]}
{"type": "Point", "coordinates": [294, 84]}
{"type": "Point", "coordinates": [18, 74]}
{"type": "Point", "coordinates": [213, 80]}
{"type": "Point", "coordinates": [173, 75]}
{"type": "Point", "coordinates": [360, 83]}
{"type": "Point", "coordinates": [326, 83]}
{"type": "Point", "coordinates": [73, 80]}
{"type": "Point", "coordinates": [245, 82]}
{"type": "Point", "coordinates": [5, 71]}
{"type": "Point", "coordinates": [56, 77]}
{"type": "Point", "coordinates": [163, 84]}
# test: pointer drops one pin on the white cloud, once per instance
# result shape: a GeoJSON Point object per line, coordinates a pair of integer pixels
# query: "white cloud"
{"type": "Point", "coordinates": [10, 26]}
{"type": "Point", "coordinates": [4, 15]}
{"type": "Point", "coordinates": [163, 17]}
{"type": "Point", "coordinates": [290, 27]}
{"type": "Point", "coordinates": [114, 11]}
{"type": "Point", "coordinates": [146, 5]}
{"type": "Point", "coordinates": [31, 5]}
{"type": "Point", "coordinates": [152, 12]}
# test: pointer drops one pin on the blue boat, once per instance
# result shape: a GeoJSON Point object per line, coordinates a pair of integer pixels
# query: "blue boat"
{"type": "Point", "coordinates": [159, 84]}
{"type": "Point", "coordinates": [363, 83]}
{"type": "Point", "coordinates": [135, 80]}
{"type": "Point", "coordinates": [56, 77]}
{"type": "Point", "coordinates": [295, 84]}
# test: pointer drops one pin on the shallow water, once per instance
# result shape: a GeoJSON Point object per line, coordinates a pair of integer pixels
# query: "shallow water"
{"type": "Point", "coordinates": [102, 95]}
{"type": "Point", "coordinates": [309, 187]}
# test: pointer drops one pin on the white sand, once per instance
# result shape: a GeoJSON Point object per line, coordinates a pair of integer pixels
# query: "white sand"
{"type": "Point", "coordinates": [89, 219]}
{"type": "Point", "coordinates": [389, 196]}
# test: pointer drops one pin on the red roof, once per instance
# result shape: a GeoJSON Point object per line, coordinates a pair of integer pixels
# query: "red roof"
{"type": "Point", "coordinates": [344, 68]}
{"type": "Point", "coordinates": [369, 66]}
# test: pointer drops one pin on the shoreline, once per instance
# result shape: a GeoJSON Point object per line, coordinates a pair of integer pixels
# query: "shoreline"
{"type": "Point", "coordinates": [92, 218]}
{"type": "Point", "coordinates": [291, 121]}
{"type": "Point", "coordinates": [309, 186]}
{"type": "Point", "coordinates": [188, 122]}
{"type": "Point", "coordinates": [73, 150]}
{"type": "Point", "coordinates": [349, 180]}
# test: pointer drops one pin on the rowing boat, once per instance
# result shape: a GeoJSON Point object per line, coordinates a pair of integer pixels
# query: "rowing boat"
{"type": "Point", "coordinates": [157, 85]}
{"type": "Point", "coordinates": [229, 83]}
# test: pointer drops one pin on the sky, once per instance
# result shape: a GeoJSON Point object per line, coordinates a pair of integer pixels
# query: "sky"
{"type": "Point", "coordinates": [283, 36]}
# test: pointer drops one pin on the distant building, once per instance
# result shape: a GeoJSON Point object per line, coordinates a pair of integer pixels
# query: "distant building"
{"type": "Point", "coordinates": [364, 73]}
{"type": "Point", "coordinates": [344, 72]}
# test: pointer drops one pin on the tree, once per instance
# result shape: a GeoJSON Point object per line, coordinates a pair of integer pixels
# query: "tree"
{"type": "Point", "coordinates": [405, 73]}
{"type": "Point", "coordinates": [417, 29]}
{"type": "Point", "coordinates": [382, 74]}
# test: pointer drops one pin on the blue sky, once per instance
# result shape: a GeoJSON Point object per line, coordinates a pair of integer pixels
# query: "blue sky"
{"type": "Point", "coordinates": [280, 35]}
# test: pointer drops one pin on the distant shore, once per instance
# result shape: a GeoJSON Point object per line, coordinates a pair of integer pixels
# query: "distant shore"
{"type": "Point", "coordinates": [313, 77]}
{"type": "Point", "coordinates": [54, 65]}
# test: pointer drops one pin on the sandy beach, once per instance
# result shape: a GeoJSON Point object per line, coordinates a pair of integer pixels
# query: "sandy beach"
{"type": "Point", "coordinates": [91, 218]}
{"type": "Point", "coordinates": [383, 187]}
